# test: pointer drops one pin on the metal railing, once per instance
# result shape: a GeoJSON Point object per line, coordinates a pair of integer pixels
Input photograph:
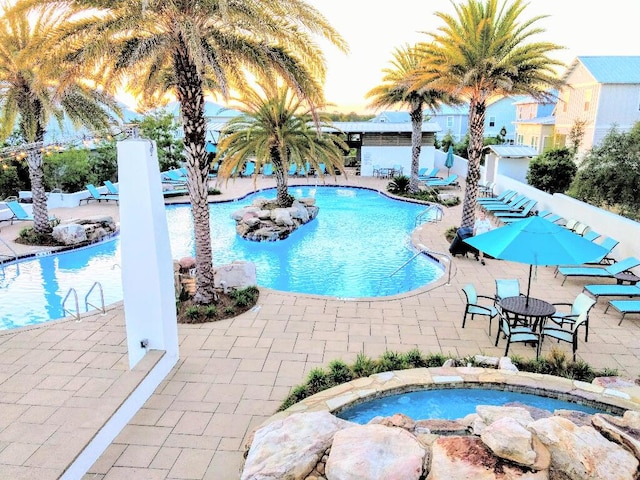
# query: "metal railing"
{"type": "Point", "coordinates": [75, 298]}
{"type": "Point", "coordinates": [86, 298]}
{"type": "Point", "coordinates": [434, 207]}
{"type": "Point", "coordinates": [13, 256]}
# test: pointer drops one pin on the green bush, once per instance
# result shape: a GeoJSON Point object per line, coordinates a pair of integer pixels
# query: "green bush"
{"type": "Point", "coordinates": [553, 171]}
{"type": "Point", "coordinates": [399, 184]}
{"type": "Point", "coordinates": [10, 184]}
{"type": "Point", "coordinates": [339, 372]}
{"type": "Point", "coordinates": [363, 366]}
{"type": "Point", "coordinates": [68, 170]}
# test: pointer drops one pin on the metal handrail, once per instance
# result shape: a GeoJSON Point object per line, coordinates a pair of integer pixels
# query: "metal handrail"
{"type": "Point", "coordinates": [86, 299]}
{"type": "Point", "coordinates": [448, 257]}
{"type": "Point", "coordinates": [430, 208]}
{"type": "Point", "coordinates": [15, 255]}
{"type": "Point", "coordinates": [75, 297]}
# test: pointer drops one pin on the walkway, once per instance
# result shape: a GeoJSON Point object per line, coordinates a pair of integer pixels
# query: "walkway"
{"type": "Point", "coordinates": [233, 374]}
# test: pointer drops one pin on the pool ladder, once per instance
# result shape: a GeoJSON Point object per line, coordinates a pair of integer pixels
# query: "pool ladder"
{"type": "Point", "coordinates": [422, 251]}
{"type": "Point", "coordinates": [74, 295]}
{"type": "Point", "coordinates": [434, 207]}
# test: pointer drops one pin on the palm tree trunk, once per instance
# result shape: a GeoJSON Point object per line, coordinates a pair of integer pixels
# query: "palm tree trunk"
{"type": "Point", "coordinates": [477, 110]}
{"type": "Point", "coordinates": [191, 97]}
{"type": "Point", "coordinates": [280, 174]}
{"type": "Point", "coordinates": [416, 146]}
{"type": "Point", "coordinates": [41, 224]}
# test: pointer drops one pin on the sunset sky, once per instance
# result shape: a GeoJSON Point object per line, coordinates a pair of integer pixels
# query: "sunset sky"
{"type": "Point", "coordinates": [374, 29]}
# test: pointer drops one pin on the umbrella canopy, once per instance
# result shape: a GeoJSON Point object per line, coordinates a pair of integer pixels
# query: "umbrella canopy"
{"type": "Point", "coordinates": [449, 161]}
{"type": "Point", "coordinates": [536, 241]}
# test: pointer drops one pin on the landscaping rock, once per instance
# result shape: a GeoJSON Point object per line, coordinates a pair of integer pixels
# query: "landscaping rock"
{"type": "Point", "coordinates": [441, 427]}
{"type": "Point", "coordinates": [507, 439]}
{"type": "Point", "coordinates": [291, 447]}
{"type": "Point", "coordinates": [582, 453]}
{"type": "Point", "coordinates": [506, 364]}
{"type": "Point", "coordinates": [490, 413]}
{"type": "Point", "coordinates": [72, 234]}
{"type": "Point", "coordinates": [239, 274]}
{"type": "Point", "coordinates": [371, 452]}
{"type": "Point", "coordinates": [624, 431]}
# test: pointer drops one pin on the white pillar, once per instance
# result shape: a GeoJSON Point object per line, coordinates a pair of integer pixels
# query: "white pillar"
{"type": "Point", "coordinates": [147, 265]}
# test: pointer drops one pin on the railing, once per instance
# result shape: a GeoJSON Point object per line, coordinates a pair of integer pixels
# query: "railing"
{"type": "Point", "coordinates": [66, 310]}
{"type": "Point", "coordinates": [434, 207]}
{"type": "Point", "coordinates": [86, 299]}
{"type": "Point", "coordinates": [14, 255]}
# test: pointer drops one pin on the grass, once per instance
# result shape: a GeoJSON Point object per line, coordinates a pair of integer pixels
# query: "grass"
{"type": "Point", "coordinates": [338, 372]}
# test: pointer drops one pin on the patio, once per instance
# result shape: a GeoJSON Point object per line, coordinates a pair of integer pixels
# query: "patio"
{"type": "Point", "coordinates": [233, 374]}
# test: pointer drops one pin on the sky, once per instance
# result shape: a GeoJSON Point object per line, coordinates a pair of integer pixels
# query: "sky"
{"type": "Point", "coordinates": [373, 29]}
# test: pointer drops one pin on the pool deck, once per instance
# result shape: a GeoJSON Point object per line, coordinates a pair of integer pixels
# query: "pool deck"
{"type": "Point", "coordinates": [59, 382]}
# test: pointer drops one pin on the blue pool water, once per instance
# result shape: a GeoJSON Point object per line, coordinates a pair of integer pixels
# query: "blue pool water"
{"type": "Point", "coordinates": [450, 404]}
{"type": "Point", "coordinates": [350, 250]}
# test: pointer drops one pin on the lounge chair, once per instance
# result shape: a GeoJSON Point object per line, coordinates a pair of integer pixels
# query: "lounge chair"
{"type": "Point", "coordinates": [96, 195]}
{"type": "Point", "coordinates": [423, 175]}
{"type": "Point", "coordinates": [591, 235]}
{"type": "Point", "coordinates": [608, 243]}
{"type": "Point", "coordinates": [249, 169]}
{"type": "Point", "coordinates": [504, 197]}
{"type": "Point", "coordinates": [113, 190]}
{"type": "Point", "coordinates": [507, 217]}
{"type": "Point", "coordinates": [486, 189]}
{"type": "Point", "coordinates": [624, 307]}
{"type": "Point", "coordinates": [267, 170]}
{"type": "Point", "coordinates": [292, 169]}
{"type": "Point", "coordinates": [612, 290]}
{"type": "Point", "coordinates": [514, 205]}
{"type": "Point", "coordinates": [450, 181]}
{"type": "Point", "coordinates": [321, 170]}
{"type": "Point", "coordinates": [174, 176]}
{"type": "Point", "coordinates": [20, 214]}
{"type": "Point", "coordinates": [609, 271]}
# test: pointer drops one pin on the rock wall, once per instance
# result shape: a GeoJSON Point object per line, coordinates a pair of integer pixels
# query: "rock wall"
{"type": "Point", "coordinates": [84, 230]}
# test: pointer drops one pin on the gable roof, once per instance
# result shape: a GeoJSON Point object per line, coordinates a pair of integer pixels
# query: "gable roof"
{"type": "Point", "coordinates": [513, 151]}
{"type": "Point", "coordinates": [609, 69]}
{"type": "Point", "coordinates": [391, 117]}
{"type": "Point", "coordinates": [549, 120]}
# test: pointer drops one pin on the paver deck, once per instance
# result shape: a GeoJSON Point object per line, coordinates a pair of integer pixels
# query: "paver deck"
{"type": "Point", "coordinates": [56, 380]}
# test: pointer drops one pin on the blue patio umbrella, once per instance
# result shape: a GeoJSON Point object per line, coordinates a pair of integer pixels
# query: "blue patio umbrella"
{"type": "Point", "coordinates": [449, 161]}
{"type": "Point", "coordinates": [536, 241]}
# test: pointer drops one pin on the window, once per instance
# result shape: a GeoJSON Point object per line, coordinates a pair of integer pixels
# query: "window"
{"type": "Point", "coordinates": [492, 121]}
{"type": "Point", "coordinates": [564, 98]}
{"type": "Point", "coordinates": [450, 121]}
{"type": "Point", "coordinates": [534, 142]}
{"type": "Point", "coordinates": [587, 99]}
{"type": "Point", "coordinates": [520, 139]}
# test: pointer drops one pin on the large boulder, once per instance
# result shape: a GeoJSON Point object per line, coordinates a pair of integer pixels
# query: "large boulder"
{"type": "Point", "coordinates": [581, 453]}
{"type": "Point", "coordinates": [509, 440]}
{"type": "Point", "coordinates": [282, 216]}
{"type": "Point", "coordinates": [371, 452]}
{"type": "Point", "coordinates": [624, 431]}
{"type": "Point", "coordinates": [239, 274]}
{"type": "Point", "coordinates": [69, 234]}
{"type": "Point", "coordinates": [468, 457]}
{"type": "Point", "coordinates": [491, 413]}
{"type": "Point", "coordinates": [290, 448]}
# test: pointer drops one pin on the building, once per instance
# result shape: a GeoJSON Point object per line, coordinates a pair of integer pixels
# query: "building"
{"type": "Point", "coordinates": [535, 123]}
{"type": "Point", "coordinates": [500, 114]}
{"type": "Point", "coordinates": [453, 120]}
{"type": "Point", "coordinates": [601, 92]}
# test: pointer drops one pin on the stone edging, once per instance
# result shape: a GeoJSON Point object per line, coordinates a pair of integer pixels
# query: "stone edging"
{"type": "Point", "coordinates": [360, 390]}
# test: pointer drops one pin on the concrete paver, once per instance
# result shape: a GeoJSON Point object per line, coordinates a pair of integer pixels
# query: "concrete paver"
{"type": "Point", "coordinates": [58, 381]}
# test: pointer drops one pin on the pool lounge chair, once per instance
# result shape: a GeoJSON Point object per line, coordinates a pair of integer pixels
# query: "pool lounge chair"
{"type": "Point", "coordinates": [174, 176]}
{"type": "Point", "coordinates": [624, 307]}
{"type": "Point", "coordinates": [96, 195]}
{"type": "Point", "coordinates": [515, 205]}
{"type": "Point", "coordinates": [610, 271]}
{"type": "Point", "coordinates": [507, 217]}
{"type": "Point", "coordinates": [267, 170]}
{"type": "Point", "coordinates": [113, 190]}
{"type": "Point", "coordinates": [612, 290]}
{"type": "Point", "coordinates": [20, 214]}
{"type": "Point", "coordinates": [450, 181]}
{"type": "Point", "coordinates": [504, 197]}
{"type": "Point", "coordinates": [591, 235]}
{"type": "Point", "coordinates": [424, 175]}
{"type": "Point", "coordinates": [249, 169]}
{"type": "Point", "coordinates": [292, 169]}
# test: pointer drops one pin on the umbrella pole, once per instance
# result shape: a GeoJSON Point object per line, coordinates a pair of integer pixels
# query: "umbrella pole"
{"type": "Point", "coordinates": [526, 303]}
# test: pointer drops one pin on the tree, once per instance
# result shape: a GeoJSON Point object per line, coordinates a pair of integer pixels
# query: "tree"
{"type": "Point", "coordinates": [399, 88]}
{"type": "Point", "coordinates": [576, 134]}
{"type": "Point", "coordinates": [39, 84]}
{"type": "Point", "coordinates": [161, 127]}
{"type": "Point", "coordinates": [485, 50]}
{"type": "Point", "coordinates": [191, 47]}
{"type": "Point", "coordinates": [609, 174]}
{"type": "Point", "coordinates": [278, 128]}
{"type": "Point", "coordinates": [553, 171]}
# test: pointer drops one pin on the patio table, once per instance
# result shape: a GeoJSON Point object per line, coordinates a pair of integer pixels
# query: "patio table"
{"type": "Point", "coordinates": [533, 311]}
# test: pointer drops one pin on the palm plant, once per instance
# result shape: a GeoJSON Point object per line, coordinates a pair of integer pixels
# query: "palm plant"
{"type": "Point", "coordinates": [399, 88]}
{"type": "Point", "coordinates": [36, 86]}
{"type": "Point", "coordinates": [485, 50]}
{"type": "Point", "coordinates": [278, 127]}
{"type": "Point", "coordinates": [191, 47]}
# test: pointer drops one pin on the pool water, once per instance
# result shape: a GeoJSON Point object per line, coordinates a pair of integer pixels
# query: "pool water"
{"type": "Point", "coordinates": [351, 250]}
{"type": "Point", "coordinates": [450, 404]}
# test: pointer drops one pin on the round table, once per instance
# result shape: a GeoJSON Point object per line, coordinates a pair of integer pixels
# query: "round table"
{"type": "Point", "coordinates": [533, 308]}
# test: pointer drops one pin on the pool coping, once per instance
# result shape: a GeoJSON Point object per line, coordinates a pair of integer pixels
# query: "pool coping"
{"type": "Point", "coordinates": [338, 398]}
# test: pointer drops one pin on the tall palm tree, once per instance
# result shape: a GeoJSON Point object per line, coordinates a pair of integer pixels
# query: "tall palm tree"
{"type": "Point", "coordinates": [483, 51]}
{"type": "Point", "coordinates": [191, 47]}
{"type": "Point", "coordinates": [399, 88]}
{"type": "Point", "coordinates": [37, 84]}
{"type": "Point", "coordinates": [277, 127]}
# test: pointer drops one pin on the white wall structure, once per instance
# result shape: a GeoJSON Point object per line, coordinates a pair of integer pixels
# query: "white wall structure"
{"type": "Point", "coordinates": [147, 265]}
{"type": "Point", "coordinates": [387, 157]}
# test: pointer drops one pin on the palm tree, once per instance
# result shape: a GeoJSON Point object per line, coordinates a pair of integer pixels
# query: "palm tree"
{"type": "Point", "coordinates": [191, 47]}
{"type": "Point", "coordinates": [483, 51]}
{"type": "Point", "coordinates": [277, 127]}
{"type": "Point", "coordinates": [36, 84]}
{"type": "Point", "coordinates": [399, 88]}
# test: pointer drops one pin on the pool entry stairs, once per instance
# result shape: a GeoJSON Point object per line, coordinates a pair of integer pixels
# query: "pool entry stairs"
{"type": "Point", "coordinates": [73, 295]}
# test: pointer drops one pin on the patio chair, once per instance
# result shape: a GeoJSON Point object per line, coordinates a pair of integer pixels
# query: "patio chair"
{"type": "Point", "coordinates": [609, 271]}
{"type": "Point", "coordinates": [612, 290]}
{"type": "Point", "coordinates": [581, 229]}
{"type": "Point", "coordinates": [475, 308]}
{"type": "Point", "coordinates": [174, 176]}
{"type": "Point", "coordinates": [507, 287]}
{"type": "Point", "coordinates": [20, 214]}
{"type": "Point", "coordinates": [113, 190]}
{"type": "Point", "coordinates": [517, 334]}
{"type": "Point", "coordinates": [582, 305]}
{"type": "Point", "coordinates": [569, 336]}
{"type": "Point", "coordinates": [486, 189]}
{"type": "Point", "coordinates": [624, 307]}
{"type": "Point", "coordinates": [96, 195]}
{"type": "Point", "coordinates": [571, 224]}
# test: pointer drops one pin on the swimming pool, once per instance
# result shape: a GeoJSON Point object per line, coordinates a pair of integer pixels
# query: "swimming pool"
{"type": "Point", "coordinates": [450, 404]}
{"type": "Point", "coordinates": [350, 250]}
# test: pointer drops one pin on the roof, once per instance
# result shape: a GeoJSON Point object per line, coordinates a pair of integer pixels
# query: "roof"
{"type": "Point", "coordinates": [359, 127]}
{"type": "Point", "coordinates": [392, 117]}
{"type": "Point", "coordinates": [513, 151]}
{"type": "Point", "coordinates": [550, 120]}
{"type": "Point", "coordinates": [450, 110]}
{"type": "Point", "coordinates": [609, 69]}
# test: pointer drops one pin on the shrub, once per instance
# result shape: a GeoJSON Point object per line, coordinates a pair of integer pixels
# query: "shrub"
{"type": "Point", "coordinates": [399, 184]}
{"type": "Point", "coordinates": [192, 312]}
{"type": "Point", "coordinates": [339, 372]}
{"type": "Point", "coordinates": [68, 170]}
{"type": "Point", "coordinates": [391, 361]}
{"type": "Point", "coordinates": [210, 311]}
{"type": "Point", "coordinates": [317, 381]}
{"type": "Point", "coordinates": [553, 171]}
{"type": "Point", "coordinates": [214, 191]}
{"type": "Point", "coordinates": [363, 366]}
{"type": "Point", "coordinates": [413, 358]}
